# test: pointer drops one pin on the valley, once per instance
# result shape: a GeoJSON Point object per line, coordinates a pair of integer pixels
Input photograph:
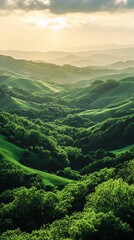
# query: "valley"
{"type": "Point", "coordinates": [66, 145]}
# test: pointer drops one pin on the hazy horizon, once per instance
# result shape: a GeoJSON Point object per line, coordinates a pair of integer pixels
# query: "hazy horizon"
{"type": "Point", "coordinates": [76, 49]}
{"type": "Point", "coordinates": [59, 25]}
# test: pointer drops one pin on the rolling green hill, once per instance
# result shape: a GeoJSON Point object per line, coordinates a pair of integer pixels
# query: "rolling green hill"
{"type": "Point", "coordinates": [11, 80]}
{"type": "Point", "coordinates": [101, 95]}
{"type": "Point", "coordinates": [40, 71]}
{"type": "Point", "coordinates": [10, 103]}
{"type": "Point", "coordinates": [101, 114]}
{"type": "Point", "coordinates": [123, 91]}
{"type": "Point", "coordinates": [13, 154]}
{"type": "Point", "coordinates": [123, 150]}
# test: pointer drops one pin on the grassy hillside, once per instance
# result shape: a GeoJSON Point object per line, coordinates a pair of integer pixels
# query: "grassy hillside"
{"type": "Point", "coordinates": [119, 76]}
{"type": "Point", "coordinates": [10, 103]}
{"type": "Point", "coordinates": [10, 151]}
{"type": "Point", "coordinates": [101, 114]}
{"type": "Point", "coordinates": [11, 80]}
{"type": "Point", "coordinates": [13, 154]}
{"type": "Point", "coordinates": [123, 91]}
{"type": "Point", "coordinates": [100, 96]}
{"type": "Point", "coordinates": [123, 150]}
{"type": "Point", "coordinates": [40, 71]}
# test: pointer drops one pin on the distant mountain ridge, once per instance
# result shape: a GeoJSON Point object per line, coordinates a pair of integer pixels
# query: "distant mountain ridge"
{"type": "Point", "coordinates": [122, 65]}
{"type": "Point", "coordinates": [99, 56]}
{"type": "Point", "coordinates": [50, 72]}
{"type": "Point", "coordinates": [66, 74]}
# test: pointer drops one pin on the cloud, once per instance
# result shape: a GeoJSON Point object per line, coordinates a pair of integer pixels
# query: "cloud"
{"type": "Point", "coordinates": [64, 6]}
{"type": "Point", "coordinates": [67, 6]}
{"type": "Point", "coordinates": [24, 4]}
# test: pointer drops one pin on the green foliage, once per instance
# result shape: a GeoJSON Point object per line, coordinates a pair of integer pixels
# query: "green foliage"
{"type": "Point", "coordinates": [119, 132]}
{"type": "Point", "coordinates": [108, 160]}
{"type": "Point", "coordinates": [71, 133]}
{"type": "Point", "coordinates": [11, 168]}
{"type": "Point", "coordinates": [81, 226]}
{"type": "Point", "coordinates": [77, 121]}
{"type": "Point", "coordinates": [69, 173]}
{"type": "Point", "coordinates": [109, 196]}
{"type": "Point", "coordinates": [13, 176]}
{"type": "Point", "coordinates": [127, 172]}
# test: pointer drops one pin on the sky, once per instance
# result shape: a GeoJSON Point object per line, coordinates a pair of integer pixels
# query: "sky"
{"type": "Point", "coordinates": [65, 25]}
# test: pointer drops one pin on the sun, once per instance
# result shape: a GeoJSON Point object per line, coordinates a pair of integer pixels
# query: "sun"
{"type": "Point", "coordinates": [58, 23]}
{"type": "Point", "coordinates": [53, 23]}
{"type": "Point", "coordinates": [41, 23]}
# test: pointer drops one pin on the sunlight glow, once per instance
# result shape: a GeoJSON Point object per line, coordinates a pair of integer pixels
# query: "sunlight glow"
{"type": "Point", "coordinates": [54, 23]}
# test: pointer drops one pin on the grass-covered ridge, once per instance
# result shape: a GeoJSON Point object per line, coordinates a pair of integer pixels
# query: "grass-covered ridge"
{"type": "Point", "coordinates": [8, 103]}
{"type": "Point", "coordinates": [14, 154]}
{"type": "Point", "coordinates": [103, 93]}
{"type": "Point", "coordinates": [11, 80]}
{"type": "Point", "coordinates": [101, 114]}
{"type": "Point", "coordinates": [10, 151]}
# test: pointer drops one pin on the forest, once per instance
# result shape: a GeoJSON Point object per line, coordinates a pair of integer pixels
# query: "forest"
{"type": "Point", "coordinates": [66, 154]}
